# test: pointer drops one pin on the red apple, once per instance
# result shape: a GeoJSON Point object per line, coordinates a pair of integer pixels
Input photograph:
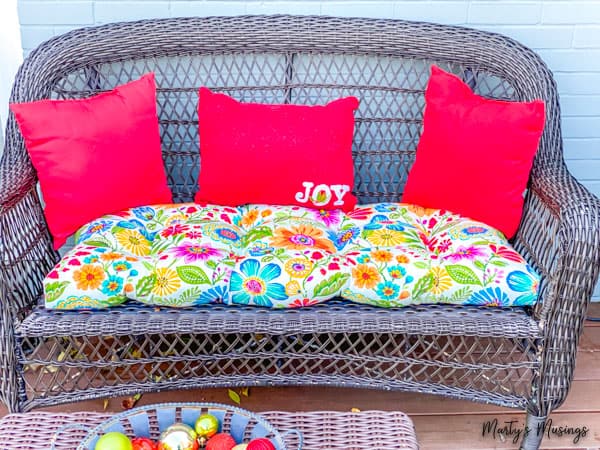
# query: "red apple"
{"type": "Point", "coordinates": [143, 443]}
{"type": "Point", "coordinates": [221, 441]}
{"type": "Point", "coordinates": [260, 444]}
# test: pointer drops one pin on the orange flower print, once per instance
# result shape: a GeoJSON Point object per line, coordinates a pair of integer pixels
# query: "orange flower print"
{"type": "Point", "coordinates": [250, 217]}
{"type": "Point", "coordinates": [88, 277]}
{"type": "Point", "coordinates": [402, 259]}
{"type": "Point", "coordinates": [110, 256]}
{"type": "Point", "coordinates": [381, 255]}
{"type": "Point", "coordinates": [266, 212]}
{"type": "Point", "coordinates": [420, 211]}
{"type": "Point", "coordinates": [365, 276]}
{"type": "Point", "coordinates": [301, 237]}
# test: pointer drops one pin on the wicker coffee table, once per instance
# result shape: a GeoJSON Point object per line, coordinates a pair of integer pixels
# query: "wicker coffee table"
{"type": "Point", "coordinates": [322, 430]}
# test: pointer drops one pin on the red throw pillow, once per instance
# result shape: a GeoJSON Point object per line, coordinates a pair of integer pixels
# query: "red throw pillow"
{"type": "Point", "coordinates": [276, 154]}
{"type": "Point", "coordinates": [475, 154]}
{"type": "Point", "coordinates": [96, 155]}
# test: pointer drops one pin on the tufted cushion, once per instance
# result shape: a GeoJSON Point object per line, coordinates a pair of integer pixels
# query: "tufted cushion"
{"type": "Point", "coordinates": [275, 256]}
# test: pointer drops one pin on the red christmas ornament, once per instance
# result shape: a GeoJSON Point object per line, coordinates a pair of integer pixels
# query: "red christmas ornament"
{"type": "Point", "coordinates": [221, 441]}
{"type": "Point", "coordinates": [143, 443]}
{"type": "Point", "coordinates": [260, 444]}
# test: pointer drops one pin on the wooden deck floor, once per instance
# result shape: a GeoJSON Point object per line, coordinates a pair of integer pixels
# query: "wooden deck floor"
{"type": "Point", "coordinates": [441, 423]}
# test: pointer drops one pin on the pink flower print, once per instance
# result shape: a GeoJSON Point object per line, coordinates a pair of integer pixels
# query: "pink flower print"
{"type": "Point", "coordinates": [444, 246]}
{"type": "Point", "coordinates": [359, 213]}
{"type": "Point", "coordinates": [329, 217]}
{"type": "Point", "coordinates": [191, 252]}
{"type": "Point", "coordinates": [506, 253]}
{"type": "Point", "coordinates": [493, 274]}
{"type": "Point", "coordinates": [469, 253]}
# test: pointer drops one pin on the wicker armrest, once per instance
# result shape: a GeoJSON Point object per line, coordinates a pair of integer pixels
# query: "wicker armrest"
{"type": "Point", "coordinates": [560, 234]}
{"type": "Point", "coordinates": [26, 252]}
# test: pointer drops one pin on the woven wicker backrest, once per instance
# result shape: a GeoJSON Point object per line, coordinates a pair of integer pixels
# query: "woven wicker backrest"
{"type": "Point", "coordinates": [282, 59]}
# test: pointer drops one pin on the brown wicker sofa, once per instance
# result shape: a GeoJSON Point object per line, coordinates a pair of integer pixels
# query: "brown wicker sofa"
{"type": "Point", "coordinates": [516, 357]}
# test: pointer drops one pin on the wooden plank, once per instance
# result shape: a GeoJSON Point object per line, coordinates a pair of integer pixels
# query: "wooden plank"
{"type": "Point", "coordinates": [587, 366]}
{"type": "Point", "coordinates": [590, 339]}
{"type": "Point", "coordinates": [593, 311]}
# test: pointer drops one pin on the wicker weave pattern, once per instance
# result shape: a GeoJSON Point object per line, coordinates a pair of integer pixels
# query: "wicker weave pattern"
{"type": "Point", "coordinates": [522, 359]}
{"type": "Point", "coordinates": [321, 430]}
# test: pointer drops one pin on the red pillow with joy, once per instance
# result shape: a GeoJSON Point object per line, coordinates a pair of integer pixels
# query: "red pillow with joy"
{"type": "Point", "coordinates": [96, 155]}
{"type": "Point", "coordinates": [278, 154]}
{"type": "Point", "coordinates": [475, 154]}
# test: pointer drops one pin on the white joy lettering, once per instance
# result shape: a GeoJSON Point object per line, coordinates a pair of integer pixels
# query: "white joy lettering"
{"type": "Point", "coordinates": [321, 195]}
{"type": "Point", "coordinates": [339, 190]}
{"type": "Point", "coordinates": [303, 198]}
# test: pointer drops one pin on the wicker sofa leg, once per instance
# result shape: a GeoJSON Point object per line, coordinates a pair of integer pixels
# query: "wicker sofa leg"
{"type": "Point", "coordinates": [10, 379]}
{"type": "Point", "coordinates": [534, 425]}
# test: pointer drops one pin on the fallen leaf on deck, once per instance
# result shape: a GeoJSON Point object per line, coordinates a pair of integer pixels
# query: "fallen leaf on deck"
{"type": "Point", "coordinates": [130, 402]}
{"type": "Point", "coordinates": [355, 410]}
{"type": "Point", "coordinates": [234, 396]}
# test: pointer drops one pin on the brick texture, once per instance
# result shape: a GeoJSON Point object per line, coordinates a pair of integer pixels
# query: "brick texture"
{"type": "Point", "coordinates": [566, 33]}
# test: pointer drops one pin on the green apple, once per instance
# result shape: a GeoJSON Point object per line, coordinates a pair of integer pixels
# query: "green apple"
{"type": "Point", "coordinates": [113, 441]}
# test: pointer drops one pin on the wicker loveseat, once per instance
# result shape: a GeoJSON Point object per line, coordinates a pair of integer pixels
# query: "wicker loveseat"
{"type": "Point", "coordinates": [516, 357]}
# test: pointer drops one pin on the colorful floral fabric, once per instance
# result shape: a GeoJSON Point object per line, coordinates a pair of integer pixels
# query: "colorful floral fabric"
{"type": "Point", "coordinates": [409, 255]}
{"type": "Point", "coordinates": [285, 257]}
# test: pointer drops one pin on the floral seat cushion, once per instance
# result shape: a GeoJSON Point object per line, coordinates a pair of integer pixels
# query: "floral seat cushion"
{"type": "Point", "coordinates": [274, 256]}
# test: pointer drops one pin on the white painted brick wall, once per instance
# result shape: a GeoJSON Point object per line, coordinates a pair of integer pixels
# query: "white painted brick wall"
{"type": "Point", "coordinates": [565, 33]}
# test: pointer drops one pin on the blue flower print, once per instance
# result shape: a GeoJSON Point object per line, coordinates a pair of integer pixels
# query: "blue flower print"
{"type": "Point", "coordinates": [260, 249]}
{"type": "Point", "coordinates": [363, 259]}
{"type": "Point", "coordinates": [386, 207]}
{"type": "Point", "coordinates": [121, 266]}
{"type": "Point", "coordinates": [144, 213]}
{"type": "Point", "coordinates": [527, 283]}
{"type": "Point", "coordinates": [97, 226]}
{"type": "Point", "coordinates": [253, 285]}
{"type": "Point", "coordinates": [492, 296]}
{"type": "Point", "coordinates": [380, 221]}
{"type": "Point", "coordinates": [343, 237]}
{"type": "Point", "coordinates": [112, 285]}
{"type": "Point", "coordinates": [387, 290]}
{"type": "Point", "coordinates": [216, 294]}
{"type": "Point", "coordinates": [396, 272]}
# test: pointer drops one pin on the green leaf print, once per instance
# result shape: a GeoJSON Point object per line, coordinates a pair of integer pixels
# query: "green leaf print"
{"type": "Point", "coordinates": [462, 274]}
{"type": "Point", "coordinates": [192, 275]}
{"type": "Point", "coordinates": [255, 234]}
{"type": "Point", "coordinates": [54, 290]}
{"type": "Point", "coordinates": [188, 297]}
{"type": "Point", "coordinates": [479, 265]}
{"type": "Point", "coordinates": [211, 264]}
{"type": "Point", "coordinates": [499, 263]}
{"type": "Point", "coordinates": [145, 285]}
{"type": "Point", "coordinates": [331, 285]}
{"type": "Point", "coordinates": [97, 243]}
{"type": "Point", "coordinates": [424, 284]}
{"type": "Point", "coordinates": [461, 295]}
{"type": "Point", "coordinates": [421, 265]}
